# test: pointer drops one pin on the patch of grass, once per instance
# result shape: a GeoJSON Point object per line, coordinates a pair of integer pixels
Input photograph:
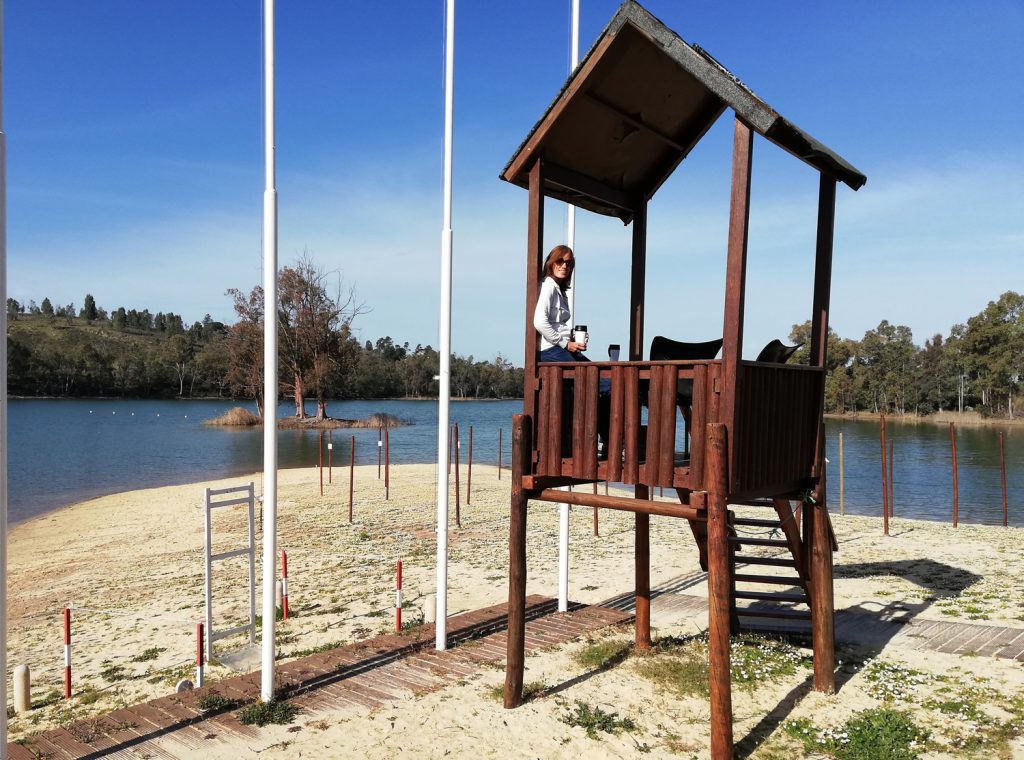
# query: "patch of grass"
{"type": "Point", "coordinates": [172, 676]}
{"type": "Point", "coordinates": [317, 649]}
{"type": "Point", "coordinates": [601, 655]}
{"type": "Point", "coordinates": [264, 713]}
{"type": "Point", "coordinates": [880, 733]}
{"type": "Point", "coordinates": [88, 695]}
{"type": "Point", "coordinates": [684, 674]}
{"type": "Point", "coordinates": [213, 702]}
{"type": "Point", "coordinates": [595, 721]}
{"type": "Point", "coordinates": [112, 672]}
{"type": "Point", "coordinates": [52, 697]}
{"type": "Point", "coordinates": [148, 654]}
{"type": "Point", "coordinates": [531, 690]}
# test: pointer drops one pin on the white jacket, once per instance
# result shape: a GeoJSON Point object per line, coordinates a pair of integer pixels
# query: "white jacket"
{"type": "Point", "coordinates": [551, 318]}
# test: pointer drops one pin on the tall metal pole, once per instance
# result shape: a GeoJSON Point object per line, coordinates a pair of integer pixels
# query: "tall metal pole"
{"type": "Point", "coordinates": [570, 240]}
{"type": "Point", "coordinates": [3, 400]}
{"type": "Point", "coordinates": [269, 361]}
{"type": "Point", "coordinates": [444, 389]}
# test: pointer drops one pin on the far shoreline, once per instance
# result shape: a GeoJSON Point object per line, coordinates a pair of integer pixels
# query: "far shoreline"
{"type": "Point", "coordinates": [939, 418]}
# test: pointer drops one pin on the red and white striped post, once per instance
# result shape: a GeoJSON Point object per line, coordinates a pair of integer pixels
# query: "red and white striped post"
{"type": "Point", "coordinates": [398, 599]}
{"type": "Point", "coordinates": [67, 653]}
{"type": "Point", "coordinates": [284, 584]}
{"type": "Point", "coordinates": [199, 655]}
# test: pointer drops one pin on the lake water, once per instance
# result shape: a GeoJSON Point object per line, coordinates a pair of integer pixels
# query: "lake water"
{"type": "Point", "coordinates": [64, 451]}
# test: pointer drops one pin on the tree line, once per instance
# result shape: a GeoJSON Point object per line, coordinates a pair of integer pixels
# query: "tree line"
{"type": "Point", "coordinates": [64, 352]}
{"type": "Point", "coordinates": [978, 366]}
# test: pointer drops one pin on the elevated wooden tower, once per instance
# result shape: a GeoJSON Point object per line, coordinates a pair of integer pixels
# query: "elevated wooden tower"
{"type": "Point", "coordinates": [630, 113]}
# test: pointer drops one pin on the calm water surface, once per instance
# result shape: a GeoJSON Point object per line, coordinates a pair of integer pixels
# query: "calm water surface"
{"type": "Point", "coordinates": [64, 451]}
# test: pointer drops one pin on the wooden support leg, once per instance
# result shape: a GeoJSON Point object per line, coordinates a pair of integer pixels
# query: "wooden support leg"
{"type": "Point", "coordinates": [822, 605]}
{"type": "Point", "coordinates": [643, 574]}
{"type": "Point", "coordinates": [515, 658]}
{"type": "Point", "coordinates": [719, 680]}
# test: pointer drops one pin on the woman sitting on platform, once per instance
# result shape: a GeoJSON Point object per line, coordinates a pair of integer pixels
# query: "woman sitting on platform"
{"type": "Point", "coordinates": [552, 317]}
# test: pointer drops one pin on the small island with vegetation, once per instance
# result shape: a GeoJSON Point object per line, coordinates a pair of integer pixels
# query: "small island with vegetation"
{"type": "Point", "coordinates": [240, 417]}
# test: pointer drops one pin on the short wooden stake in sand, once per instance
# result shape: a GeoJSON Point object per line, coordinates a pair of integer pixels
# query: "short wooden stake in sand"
{"type": "Point", "coordinates": [351, 474]}
{"type": "Point", "coordinates": [842, 478]}
{"type": "Point", "coordinates": [892, 487]}
{"type": "Point", "coordinates": [1002, 474]}
{"type": "Point", "coordinates": [885, 481]}
{"type": "Point", "coordinates": [458, 510]}
{"type": "Point", "coordinates": [22, 689]}
{"type": "Point", "coordinates": [956, 489]}
{"type": "Point", "coordinates": [469, 467]}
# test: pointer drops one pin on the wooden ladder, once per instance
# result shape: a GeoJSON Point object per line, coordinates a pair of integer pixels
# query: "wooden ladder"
{"type": "Point", "coordinates": [778, 586]}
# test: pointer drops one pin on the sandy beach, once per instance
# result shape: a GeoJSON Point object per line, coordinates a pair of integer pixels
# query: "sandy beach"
{"type": "Point", "coordinates": [131, 565]}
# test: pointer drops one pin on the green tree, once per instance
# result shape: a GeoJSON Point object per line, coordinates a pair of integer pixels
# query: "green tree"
{"type": "Point", "coordinates": [89, 312]}
{"type": "Point", "coordinates": [46, 308]}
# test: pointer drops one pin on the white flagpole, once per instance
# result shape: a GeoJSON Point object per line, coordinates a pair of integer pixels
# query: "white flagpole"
{"type": "Point", "coordinates": [570, 240]}
{"type": "Point", "coordinates": [444, 387]}
{"type": "Point", "coordinates": [3, 401]}
{"type": "Point", "coordinates": [269, 362]}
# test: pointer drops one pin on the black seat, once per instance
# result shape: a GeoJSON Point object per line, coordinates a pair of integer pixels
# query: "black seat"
{"type": "Point", "coordinates": [665, 349]}
{"type": "Point", "coordinates": [777, 352]}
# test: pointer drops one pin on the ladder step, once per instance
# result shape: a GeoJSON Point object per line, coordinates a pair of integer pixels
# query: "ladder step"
{"type": "Point", "coordinates": [770, 597]}
{"type": "Point", "coordinates": [757, 541]}
{"type": "Point", "coordinates": [776, 613]}
{"type": "Point", "coordinates": [753, 521]}
{"type": "Point", "coordinates": [782, 580]}
{"type": "Point", "coordinates": [772, 561]}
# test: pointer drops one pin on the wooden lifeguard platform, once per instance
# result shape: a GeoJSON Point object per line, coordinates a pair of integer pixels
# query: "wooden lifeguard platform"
{"type": "Point", "coordinates": [639, 102]}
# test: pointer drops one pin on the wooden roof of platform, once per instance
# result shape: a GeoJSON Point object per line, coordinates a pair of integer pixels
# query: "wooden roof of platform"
{"type": "Point", "coordinates": [634, 108]}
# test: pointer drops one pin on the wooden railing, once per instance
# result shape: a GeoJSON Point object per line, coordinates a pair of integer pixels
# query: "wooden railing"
{"type": "Point", "coordinates": [773, 436]}
{"type": "Point", "coordinates": [571, 409]}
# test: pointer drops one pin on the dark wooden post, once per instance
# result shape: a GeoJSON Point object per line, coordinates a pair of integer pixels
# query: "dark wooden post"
{"type": "Point", "coordinates": [719, 679]}
{"type": "Point", "coordinates": [534, 259]}
{"type": "Point", "coordinates": [638, 283]}
{"type": "Point", "coordinates": [822, 601]}
{"type": "Point", "coordinates": [642, 522]}
{"type": "Point", "coordinates": [1002, 474]}
{"type": "Point", "coordinates": [458, 510]}
{"type": "Point", "coordinates": [515, 663]}
{"type": "Point", "coordinates": [956, 489]}
{"type": "Point", "coordinates": [351, 474]}
{"type": "Point", "coordinates": [735, 276]}
{"type": "Point", "coordinates": [892, 488]}
{"type": "Point", "coordinates": [642, 561]}
{"type": "Point", "coordinates": [885, 481]}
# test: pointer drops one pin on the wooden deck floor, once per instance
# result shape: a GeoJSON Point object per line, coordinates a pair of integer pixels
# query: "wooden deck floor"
{"type": "Point", "coordinates": [368, 674]}
{"type": "Point", "coordinates": [381, 671]}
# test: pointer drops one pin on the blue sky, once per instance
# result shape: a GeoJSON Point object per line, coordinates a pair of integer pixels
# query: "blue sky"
{"type": "Point", "coordinates": [135, 161]}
